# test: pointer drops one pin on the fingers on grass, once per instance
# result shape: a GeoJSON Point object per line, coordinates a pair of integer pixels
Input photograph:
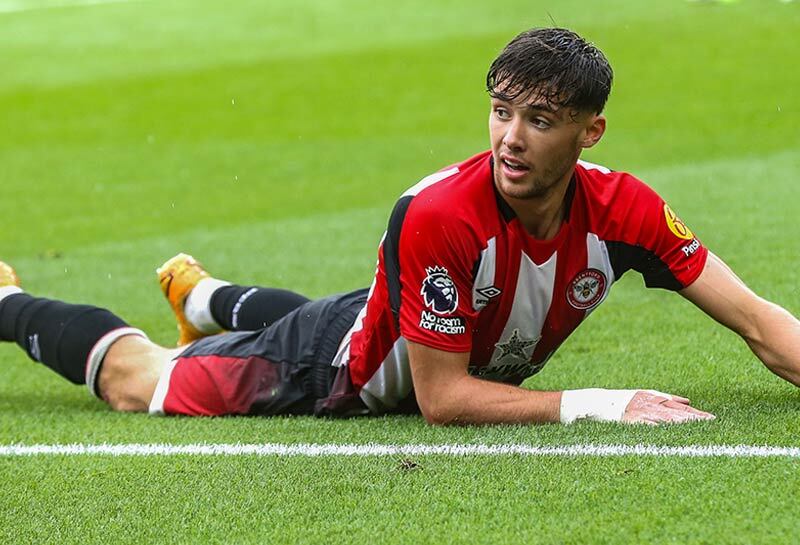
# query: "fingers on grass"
{"type": "Point", "coordinates": [669, 397]}
{"type": "Point", "coordinates": [680, 407]}
{"type": "Point", "coordinates": [689, 416]}
{"type": "Point", "coordinates": [662, 414]}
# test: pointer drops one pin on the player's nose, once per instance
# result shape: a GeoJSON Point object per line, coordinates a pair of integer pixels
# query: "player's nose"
{"type": "Point", "coordinates": [513, 138]}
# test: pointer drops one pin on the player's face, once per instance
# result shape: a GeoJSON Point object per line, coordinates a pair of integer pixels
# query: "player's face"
{"type": "Point", "coordinates": [536, 145]}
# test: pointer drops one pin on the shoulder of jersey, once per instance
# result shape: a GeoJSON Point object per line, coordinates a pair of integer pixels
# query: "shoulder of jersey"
{"type": "Point", "coordinates": [463, 189]}
{"type": "Point", "coordinates": [613, 205]}
{"type": "Point", "coordinates": [453, 178]}
{"type": "Point", "coordinates": [606, 187]}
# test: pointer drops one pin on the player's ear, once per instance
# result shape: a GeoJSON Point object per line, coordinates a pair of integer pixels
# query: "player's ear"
{"type": "Point", "coordinates": [595, 128]}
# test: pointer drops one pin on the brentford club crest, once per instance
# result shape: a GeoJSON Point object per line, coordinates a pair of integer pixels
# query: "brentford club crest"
{"type": "Point", "coordinates": [586, 289]}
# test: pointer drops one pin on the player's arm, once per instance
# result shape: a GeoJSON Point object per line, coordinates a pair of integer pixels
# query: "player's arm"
{"type": "Point", "coordinates": [771, 332]}
{"type": "Point", "coordinates": [447, 394]}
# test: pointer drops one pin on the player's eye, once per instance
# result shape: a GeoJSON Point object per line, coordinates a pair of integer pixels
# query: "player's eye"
{"type": "Point", "coordinates": [502, 114]}
{"type": "Point", "coordinates": [540, 123]}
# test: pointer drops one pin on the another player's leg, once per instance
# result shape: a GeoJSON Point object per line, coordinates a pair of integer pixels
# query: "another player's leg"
{"type": "Point", "coordinates": [84, 344]}
{"type": "Point", "coordinates": [205, 306]}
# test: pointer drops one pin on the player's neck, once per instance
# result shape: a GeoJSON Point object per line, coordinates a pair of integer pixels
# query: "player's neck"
{"type": "Point", "coordinates": [542, 216]}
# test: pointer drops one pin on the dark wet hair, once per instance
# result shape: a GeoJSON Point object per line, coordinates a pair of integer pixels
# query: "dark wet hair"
{"type": "Point", "coordinates": [553, 64]}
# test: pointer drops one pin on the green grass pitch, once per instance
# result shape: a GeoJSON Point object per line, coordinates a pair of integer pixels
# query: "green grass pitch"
{"type": "Point", "coordinates": [270, 139]}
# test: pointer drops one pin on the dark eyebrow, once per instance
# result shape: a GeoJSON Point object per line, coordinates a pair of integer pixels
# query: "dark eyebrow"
{"type": "Point", "coordinates": [536, 106]}
{"type": "Point", "coordinates": [542, 107]}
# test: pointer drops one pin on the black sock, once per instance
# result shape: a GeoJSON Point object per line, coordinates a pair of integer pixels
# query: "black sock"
{"type": "Point", "coordinates": [59, 335]}
{"type": "Point", "coordinates": [240, 308]}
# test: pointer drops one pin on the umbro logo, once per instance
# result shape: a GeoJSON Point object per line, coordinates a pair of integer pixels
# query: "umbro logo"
{"type": "Point", "coordinates": [482, 296]}
{"type": "Point", "coordinates": [489, 292]}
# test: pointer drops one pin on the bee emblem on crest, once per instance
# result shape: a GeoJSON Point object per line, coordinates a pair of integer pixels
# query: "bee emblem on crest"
{"type": "Point", "coordinates": [587, 289]}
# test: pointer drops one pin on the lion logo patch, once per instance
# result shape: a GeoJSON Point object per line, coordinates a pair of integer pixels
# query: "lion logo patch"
{"type": "Point", "coordinates": [439, 291]}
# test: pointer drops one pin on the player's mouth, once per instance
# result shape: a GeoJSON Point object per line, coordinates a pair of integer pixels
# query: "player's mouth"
{"type": "Point", "coordinates": [512, 168]}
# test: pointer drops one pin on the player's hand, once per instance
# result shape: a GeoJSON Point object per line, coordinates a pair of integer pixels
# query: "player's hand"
{"type": "Point", "coordinates": [651, 407]}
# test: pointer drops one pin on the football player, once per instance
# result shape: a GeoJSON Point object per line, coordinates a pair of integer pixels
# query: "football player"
{"type": "Point", "coordinates": [485, 268]}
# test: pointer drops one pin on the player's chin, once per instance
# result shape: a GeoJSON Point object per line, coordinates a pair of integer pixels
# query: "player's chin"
{"type": "Point", "coordinates": [516, 189]}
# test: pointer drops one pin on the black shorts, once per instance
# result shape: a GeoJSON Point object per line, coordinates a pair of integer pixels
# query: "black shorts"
{"type": "Point", "coordinates": [283, 369]}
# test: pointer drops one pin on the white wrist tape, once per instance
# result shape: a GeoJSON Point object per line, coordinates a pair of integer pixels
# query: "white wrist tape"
{"type": "Point", "coordinates": [595, 404]}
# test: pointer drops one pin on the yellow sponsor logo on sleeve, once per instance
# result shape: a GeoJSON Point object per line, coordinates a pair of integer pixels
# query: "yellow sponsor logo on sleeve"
{"type": "Point", "coordinates": [675, 224]}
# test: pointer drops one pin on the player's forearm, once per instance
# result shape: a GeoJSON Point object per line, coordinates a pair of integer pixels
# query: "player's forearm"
{"type": "Point", "coordinates": [775, 340]}
{"type": "Point", "coordinates": [474, 401]}
{"type": "Point", "coordinates": [469, 400]}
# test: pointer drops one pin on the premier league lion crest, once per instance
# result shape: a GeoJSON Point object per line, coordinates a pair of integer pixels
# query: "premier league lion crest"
{"type": "Point", "coordinates": [438, 291]}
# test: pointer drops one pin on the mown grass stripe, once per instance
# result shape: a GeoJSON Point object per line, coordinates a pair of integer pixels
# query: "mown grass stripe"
{"type": "Point", "coordinates": [15, 6]}
{"type": "Point", "coordinates": [316, 450]}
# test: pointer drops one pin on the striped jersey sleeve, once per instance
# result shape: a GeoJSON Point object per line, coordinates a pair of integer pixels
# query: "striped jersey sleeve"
{"type": "Point", "coordinates": [439, 254]}
{"type": "Point", "coordinates": [643, 233]}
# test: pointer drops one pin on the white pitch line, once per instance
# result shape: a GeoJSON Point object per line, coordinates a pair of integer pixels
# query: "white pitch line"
{"type": "Point", "coordinates": [316, 450]}
{"type": "Point", "coordinates": [17, 6]}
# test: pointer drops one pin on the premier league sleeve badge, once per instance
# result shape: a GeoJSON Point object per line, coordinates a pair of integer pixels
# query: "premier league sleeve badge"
{"type": "Point", "coordinates": [439, 291]}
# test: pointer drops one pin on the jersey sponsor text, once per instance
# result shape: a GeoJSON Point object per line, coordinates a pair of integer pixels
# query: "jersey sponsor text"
{"type": "Point", "coordinates": [691, 248]}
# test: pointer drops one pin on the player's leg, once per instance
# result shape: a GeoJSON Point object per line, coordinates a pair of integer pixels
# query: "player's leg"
{"type": "Point", "coordinates": [205, 306]}
{"type": "Point", "coordinates": [286, 368]}
{"type": "Point", "coordinates": [130, 372]}
{"type": "Point", "coordinates": [84, 344]}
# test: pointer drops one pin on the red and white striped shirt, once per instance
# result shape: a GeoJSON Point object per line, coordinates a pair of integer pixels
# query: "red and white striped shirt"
{"type": "Point", "coordinates": [458, 272]}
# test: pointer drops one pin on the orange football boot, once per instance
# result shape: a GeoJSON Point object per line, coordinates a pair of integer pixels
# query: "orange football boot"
{"type": "Point", "coordinates": [178, 276]}
{"type": "Point", "coordinates": [8, 277]}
